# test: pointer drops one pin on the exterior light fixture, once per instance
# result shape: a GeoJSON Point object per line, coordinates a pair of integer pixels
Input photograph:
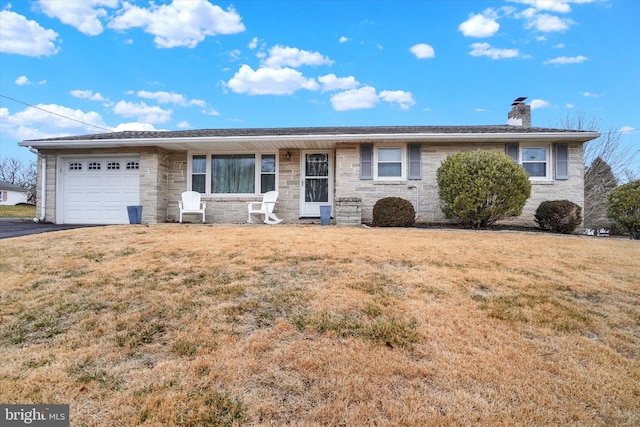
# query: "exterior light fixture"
{"type": "Point", "coordinates": [288, 155]}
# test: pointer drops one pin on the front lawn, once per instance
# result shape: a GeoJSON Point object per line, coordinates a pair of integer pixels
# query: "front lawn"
{"type": "Point", "coordinates": [308, 325]}
{"type": "Point", "coordinates": [18, 211]}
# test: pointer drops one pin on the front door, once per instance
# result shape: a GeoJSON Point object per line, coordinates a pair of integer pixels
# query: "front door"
{"type": "Point", "coordinates": [316, 186]}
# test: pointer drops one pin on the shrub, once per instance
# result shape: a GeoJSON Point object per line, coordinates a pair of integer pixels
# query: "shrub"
{"type": "Point", "coordinates": [393, 212]}
{"type": "Point", "coordinates": [477, 188]}
{"type": "Point", "coordinates": [624, 207]}
{"type": "Point", "coordinates": [559, 216]}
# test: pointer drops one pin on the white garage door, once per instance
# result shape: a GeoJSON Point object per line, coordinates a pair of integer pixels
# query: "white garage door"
{"type": "Point", "coordinates": [98, 190]}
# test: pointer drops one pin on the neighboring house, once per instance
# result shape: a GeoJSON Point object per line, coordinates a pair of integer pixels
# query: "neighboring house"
{"type": "Point", "coordinates": [11, 194]}
{"type": "Point", "coordinates": [92, 178]}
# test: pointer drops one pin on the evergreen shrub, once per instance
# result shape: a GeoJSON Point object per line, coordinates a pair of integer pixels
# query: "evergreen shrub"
{"type": "Point", "coordinates": [393, 212]}
{"type": "Point", "coordinates": [558, 216]}
{"type": "Point", "coordinates": [624, 207]}
{"type": "Point", "coordinates": [478, 188]}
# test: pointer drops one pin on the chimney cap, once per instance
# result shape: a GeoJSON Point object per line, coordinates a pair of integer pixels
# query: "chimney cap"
{"type": "Point", "coordinates": [519, 100]}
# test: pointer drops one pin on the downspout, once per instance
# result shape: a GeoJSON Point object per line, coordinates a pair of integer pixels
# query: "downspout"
{"type": "Point", "coordinates": [43, 186]}
{"type": "Point", "coordinates": [413, 187]}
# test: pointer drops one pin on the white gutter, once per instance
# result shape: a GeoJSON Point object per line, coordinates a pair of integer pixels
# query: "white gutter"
{"type": "Point", "coordinates": [43, 186]}
{"type": "Point", "coordinates": [341, 138]}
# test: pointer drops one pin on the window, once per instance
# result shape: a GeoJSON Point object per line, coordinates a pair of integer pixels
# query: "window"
{"type": "Point", "coordinates": [199, 173]}
{"type": "Point", "coordinates": [535, 159]}
{"type": "Point", "coordinates": [113, 166]}
{"type": "Point", "coordinates": [390, 163]}
{"type": "Point", "coordinates": [94, 166]}
{"type": "Point", "coordinates": [268, 173]}
{"type": "Point", "coordinates": [75, 166]}
{"type": "Point", "coordinates": [233, 173]}
{"type": "Point", "coordinates": [133, 166]}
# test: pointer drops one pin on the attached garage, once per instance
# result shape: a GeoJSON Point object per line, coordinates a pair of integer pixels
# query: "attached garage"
{"type": "Point", "coordinates": [97, 190]}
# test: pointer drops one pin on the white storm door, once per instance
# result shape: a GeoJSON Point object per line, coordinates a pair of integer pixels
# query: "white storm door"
{"type": "Point", "coordinates": [316, 185]}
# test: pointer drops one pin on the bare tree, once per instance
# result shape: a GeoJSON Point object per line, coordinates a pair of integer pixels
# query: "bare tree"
{"type": "Point", "coordinates": [606, 162]}
{"type": "Point", "coordinates": [20, 173]}
{"type": "Point", "coordinates": [608, 147]}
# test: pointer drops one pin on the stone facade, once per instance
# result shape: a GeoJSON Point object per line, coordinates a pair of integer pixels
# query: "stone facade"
{"type": "Point", "coordinates": [164, 176]}
{"type": "Point", "coordinates": [425, 194]}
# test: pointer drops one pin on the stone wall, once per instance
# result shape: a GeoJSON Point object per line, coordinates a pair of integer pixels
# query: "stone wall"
{"type": "Point", "coordinates": [233, 209]}
{"type": "Point", "coordinates": [425, 194]}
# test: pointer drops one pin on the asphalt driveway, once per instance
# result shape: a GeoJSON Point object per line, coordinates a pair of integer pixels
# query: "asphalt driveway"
{"type": "Point", "coordinates": [10, 227]}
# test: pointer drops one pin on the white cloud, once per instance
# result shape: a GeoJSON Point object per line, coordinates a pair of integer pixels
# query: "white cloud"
{"type": "Point", "coordinates": [163, 97]}
{"type": "Point", "coordinates": [422, 51]}
{"type": "Point", "coordinates": [355, 99]}
{"type": "Point", "coordinates": [88, 94]}
{"type": "Point", "coordinates": [22, 80]}
{"type": "Point", "coordinates": [24, 37]}
{"type": "Point", "coordinates": [84, 15]}
{"type": "Point", "coordinates": [563, 60]}
{"type": "Point", "coordinates": [211, 112]}
{"type": "Point", "coordinates": [235, 54]}
{"type": "Point", "coordinates": [485, 49]}
{"type": "Point", "coordinates": [591, 94]}
{"type": "Point", "coordinates": [183, 125]}
{"type": "Point", "coordinates": [400, 97]}
{"type": "Point", "coordinates": [281, 56]}
{"type": "Point", "coordinates": [559, 6]}
{"type": "Point", "coordinates": [569, 105]}
{"type": "Point", "coordinates": [198, 19]}
{"type": "Point", "coordinates": [134, 126]}
{"type": "Point", "coordinates": [198, 103]}
{"type": "Point", "coordinates": [627, 129]}
{"type": "Point", "coordinates": [48, 121]}
{"type": "Point", "coordinates": [331, 82]}
{"type": "Point", "coordinates": [269, 81]}
{"type": "Point", "coordinates": [539, 103]}
{"type": "Point", "coordinates": [253, 43]}
{"type": "Point", "coordinates": [142, 112]}
{"type": "Point", "coordinates": [548, 23]}
{"type": "Point", "coordinates": [343, 39]}
{"type": "Point", "coordinates": [481, 25]}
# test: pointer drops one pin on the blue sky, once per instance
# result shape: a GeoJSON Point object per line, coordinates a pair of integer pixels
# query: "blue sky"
{"type": "Point", "coordinates": [190, 64]}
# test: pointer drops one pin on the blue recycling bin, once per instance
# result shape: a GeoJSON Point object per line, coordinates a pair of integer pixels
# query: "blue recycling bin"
{"type": "Point", "coordinates": [325, 215]}
{"type": "Point", "coordinates": [135, 214]}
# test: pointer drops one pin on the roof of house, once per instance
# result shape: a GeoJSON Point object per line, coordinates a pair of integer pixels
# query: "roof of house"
{"type": "Point", "coordinates": [312, 131]}
{"type": "Point", "coordinates": [7, 186]}
{"type": "Point", "coordinates": [301, 137]}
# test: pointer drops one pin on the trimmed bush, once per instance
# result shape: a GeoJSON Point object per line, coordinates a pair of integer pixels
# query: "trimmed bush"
{"type": "Point", "coordinates": [393, 212]}
{"type": "Point", "coordinates": [558, 216]}
{"type": "Point", "coordinates": [477, 188]}
{"type": "Point", "coordinates": [624, 207]}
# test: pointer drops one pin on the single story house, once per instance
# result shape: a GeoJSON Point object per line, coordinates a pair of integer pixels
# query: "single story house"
{"type": "Point", "coordinates": [11, 194]}
{"type": "Point", "coordinates": [92, 178]}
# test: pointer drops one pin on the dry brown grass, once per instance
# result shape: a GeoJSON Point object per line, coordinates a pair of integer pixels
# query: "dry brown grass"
{"type": "Point", "coordinates": [307, 325]}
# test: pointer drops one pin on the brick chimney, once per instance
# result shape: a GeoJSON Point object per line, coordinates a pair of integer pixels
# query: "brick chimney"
{"type": "Point", "coordinates": [520, 114]}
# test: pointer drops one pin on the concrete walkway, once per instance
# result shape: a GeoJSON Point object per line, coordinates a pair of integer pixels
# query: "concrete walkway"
{"type": "Point", "coordinates": [14, 227]}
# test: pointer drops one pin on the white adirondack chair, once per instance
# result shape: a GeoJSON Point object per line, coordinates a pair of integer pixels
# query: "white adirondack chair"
{"type": "Point", "coordinates": [191, 204]}
{"type": "Point", "coordinates": [265, 209]}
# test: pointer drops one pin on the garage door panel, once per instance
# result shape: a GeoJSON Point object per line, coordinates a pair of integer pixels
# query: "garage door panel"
{"type": "Point", "coordinates": [98, 191]}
